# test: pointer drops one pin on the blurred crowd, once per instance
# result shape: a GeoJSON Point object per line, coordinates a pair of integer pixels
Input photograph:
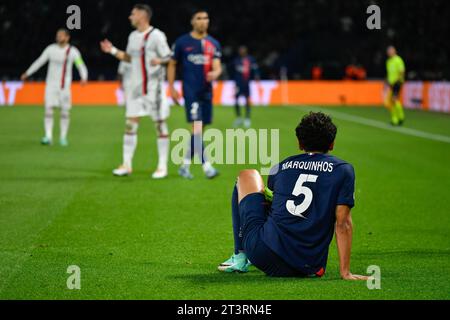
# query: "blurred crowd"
{"type": "Point", "coordinates": [320, 39]}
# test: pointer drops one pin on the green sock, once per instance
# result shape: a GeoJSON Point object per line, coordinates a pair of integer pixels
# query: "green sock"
{"type": "Point", "coordinates": [394, 116]}
{"type": "Point", "coordinates": [399, 110]}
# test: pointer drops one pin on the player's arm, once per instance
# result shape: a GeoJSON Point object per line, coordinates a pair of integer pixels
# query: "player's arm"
{"type": "Point", "coordinates": [107, 47]}
{"type": "Point", "coordinates": [216, 71]}
{"type": "Point", "coordinates": [171, 74]}
{"type": "Point", "coordinates": [81, 67]}
{"type": "Point", "coordinates": [43, 58]}
{"type": "Point", "coordinates": [344, 232]}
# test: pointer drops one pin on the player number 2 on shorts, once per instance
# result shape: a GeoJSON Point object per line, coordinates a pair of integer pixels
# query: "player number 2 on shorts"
{"type": "Point", "coordinates": [299, 189]}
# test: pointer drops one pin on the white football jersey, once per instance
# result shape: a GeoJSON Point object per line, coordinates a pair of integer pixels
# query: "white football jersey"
{"type": "Point", "coordinates": [143, 47]}
{"type": "Point", "coordinates": [60, 63]}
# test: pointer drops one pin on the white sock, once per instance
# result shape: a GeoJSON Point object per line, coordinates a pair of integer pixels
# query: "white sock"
{"type": "Point", "coordinates": [64, 123]}
{"type": "Point", "coordinates": [129, 146]}
{"type": "Point", "coordinates": [206, 166]}
{"type": "Point", "coordinates": [187, 157]}
{"type": "Point", "coordinates": [163, 152]}
{"type": "Point", "coordinates": [48, 123]}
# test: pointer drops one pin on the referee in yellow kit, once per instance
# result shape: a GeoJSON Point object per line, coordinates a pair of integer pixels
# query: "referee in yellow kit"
{"type": "Point", "coordinates": [395, 68]}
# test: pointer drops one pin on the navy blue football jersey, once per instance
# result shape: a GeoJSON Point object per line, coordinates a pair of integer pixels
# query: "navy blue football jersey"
{"type": "Point", "coordinates": [306, 190]}
{"type": "Point", "coordinates": [244, 69]}
{"type": "Point", "coordinates": [196, 58]}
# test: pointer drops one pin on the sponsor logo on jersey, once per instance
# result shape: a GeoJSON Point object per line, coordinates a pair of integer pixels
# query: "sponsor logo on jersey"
{"type": "Point", "coordinates": [199, 59]}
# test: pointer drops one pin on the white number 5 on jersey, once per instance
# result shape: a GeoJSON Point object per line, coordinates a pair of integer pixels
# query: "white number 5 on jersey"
{"type": "Point", "coordinates": [298, 190]}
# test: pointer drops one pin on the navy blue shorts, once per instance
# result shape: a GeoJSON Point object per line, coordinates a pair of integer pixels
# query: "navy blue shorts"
{"type": "Point", "coordinates": [243, 90]}
{"type": "Point", "coordinates": [199, 109]}
{"type": "Point", "coordinates": [253, 210]}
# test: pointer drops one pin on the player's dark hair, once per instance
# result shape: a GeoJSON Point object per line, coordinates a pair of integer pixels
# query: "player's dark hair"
{"type": "Point", "coordinates": [316, 132]}
{"type": "Point", "coordinates": [144, 7]}
{"type": "Point", "coordinates": [196, 11]}
{"type": "Point", "coordinates": [67, 32]}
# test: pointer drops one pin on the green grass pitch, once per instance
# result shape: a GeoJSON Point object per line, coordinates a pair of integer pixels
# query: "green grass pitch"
{"type": "Point", "coordinates": [135, 238]}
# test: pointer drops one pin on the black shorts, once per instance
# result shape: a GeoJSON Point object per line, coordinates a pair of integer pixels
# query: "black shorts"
{"type": "Point", "coordinates": [396, 88]}
{"type": "Point", "coordinates": [253, 210]}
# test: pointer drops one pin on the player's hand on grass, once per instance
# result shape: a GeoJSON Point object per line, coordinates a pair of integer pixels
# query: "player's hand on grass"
{"type": "Point", "coordinates": [23, 77]}
{"type": "Point", "coordinates": [174, 94]}
{"type": "Point", "coordinates": [106, 46]}
{"type": "Point", "coordinates": [350, 276]}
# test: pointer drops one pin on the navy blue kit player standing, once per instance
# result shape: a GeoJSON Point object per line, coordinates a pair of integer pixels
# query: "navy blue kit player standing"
{"type": "Point", "coordinates": [285, 229]}
{"type": "Point", "coordinates": [244, 70]}
{"type": "Point", "coordinates": [198, 54]}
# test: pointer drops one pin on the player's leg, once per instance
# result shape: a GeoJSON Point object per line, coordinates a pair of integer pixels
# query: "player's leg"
{"type": "Point", "coordinates": [207, 115]}
{"type": "Point", "coordinates": [197, 147]}
{"type": "Point", "coordinates": [391, 106]}
{"type": "Point", "coordinates": [159, 112]}
{"type": "Point", "coordinates": [238, 122]}
{"type": "Point", "coordinates": [249, 182]}
{"type": "Point", "coordinates": [247, 121]}
{"type": "Point", "coordinates": [48, 126]}
{"type": "Point", "coordinates": [135, 109]}
{"type": "Point", "coordinates": [64, 120]}
{"type": "Point", "coordinates": [191, 106]}
{"type": "Point", "coordinates": [199, 113]}
{"type": "Point", "coordinates": [51, 101]}
{"type": "Point", "coordinates": [129, 147]}
{"type": "Point", "coordinates": [162, 130]}
{"type": "Point", "coordinates": [397, 104]}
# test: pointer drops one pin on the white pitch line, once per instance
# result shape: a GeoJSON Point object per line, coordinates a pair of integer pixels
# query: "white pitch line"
{"type": "Point", "coordinates": [385, 126]}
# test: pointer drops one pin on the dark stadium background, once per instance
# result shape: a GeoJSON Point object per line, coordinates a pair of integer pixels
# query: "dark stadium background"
{"type": "Point", "coordinates": [295, 35]}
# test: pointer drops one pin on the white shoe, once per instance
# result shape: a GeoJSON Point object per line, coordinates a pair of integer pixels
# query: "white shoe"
{"type": "Point", "coordinates": [122, 171]}
{"type": "Point", "coordinates": [247, 123]}
{"type": "Point", "coordinates": [160, 173]}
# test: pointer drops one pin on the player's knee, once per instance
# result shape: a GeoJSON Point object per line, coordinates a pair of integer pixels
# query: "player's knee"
{"type": "Point", "coordinates": [249, 181]}
{"type": "Point", "coordinates": [65, 114]}
{"type": "Point", "coordinates": [48, 113]}
{"type": "Point", "coordinates": [131, 126]}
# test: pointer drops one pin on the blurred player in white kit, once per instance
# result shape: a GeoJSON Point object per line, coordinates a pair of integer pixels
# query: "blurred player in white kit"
{"type": "Point", "coordinates": [61, 56]}
{"type": "Point", "coordinates": [148, 52]}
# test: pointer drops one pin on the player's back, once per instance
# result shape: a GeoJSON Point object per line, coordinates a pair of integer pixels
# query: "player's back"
{"type": "Point", "coordinates": [307, 188]}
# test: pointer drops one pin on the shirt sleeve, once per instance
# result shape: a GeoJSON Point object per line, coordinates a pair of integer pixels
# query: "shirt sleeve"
{"type": "Point", "coordinates": [43, 58]}
{"type": "Point", "coordinates": [79, 63]}
{"type": "Point", "coordinates": [162, 48]}
{"type": "Point", "coordinates": [346, 195]}
{"type": "Point", "coordinates": [272, 175]}
{"type": "Point", "coordinates": [177, 51]}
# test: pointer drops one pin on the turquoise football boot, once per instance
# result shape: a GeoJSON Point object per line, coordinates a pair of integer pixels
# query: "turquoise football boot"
{"type": "Point", "coordinates": [237, 263]}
